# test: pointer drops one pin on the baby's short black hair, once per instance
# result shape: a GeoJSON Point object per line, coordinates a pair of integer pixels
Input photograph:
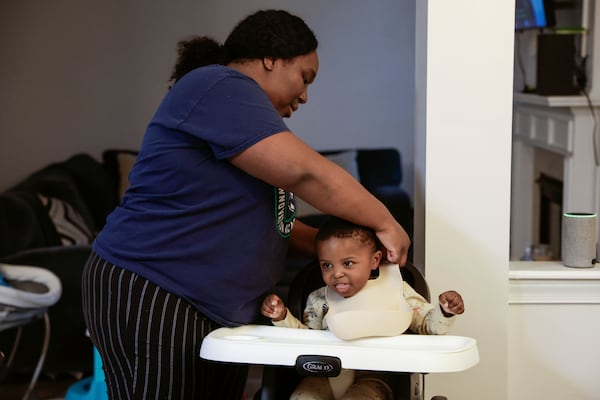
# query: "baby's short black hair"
{"type": "Point", "coordinates": [340, 228]}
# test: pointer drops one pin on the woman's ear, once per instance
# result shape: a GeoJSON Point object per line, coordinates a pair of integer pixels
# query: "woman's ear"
{"type": "Point", "coordinates": [269, 63]}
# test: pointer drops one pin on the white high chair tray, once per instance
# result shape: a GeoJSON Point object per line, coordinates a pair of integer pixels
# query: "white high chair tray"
{"type": "Point", "coordinates": [270, 345]}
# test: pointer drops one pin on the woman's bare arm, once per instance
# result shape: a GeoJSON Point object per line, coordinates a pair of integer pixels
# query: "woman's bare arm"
{"type": "Point", "coordinates": [285, 161]}
{"type": "Point", "coordinates": [302, 242]}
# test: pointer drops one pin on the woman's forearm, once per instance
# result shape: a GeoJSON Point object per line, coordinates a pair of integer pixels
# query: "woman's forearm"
{"type": "Point", "coordinates": [302, 242]}
{"type": "Point", "coordinates": [285, 161]}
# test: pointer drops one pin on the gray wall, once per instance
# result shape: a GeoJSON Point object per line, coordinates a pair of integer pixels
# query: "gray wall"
{"type": "Point", "coordinates": [86, 76]}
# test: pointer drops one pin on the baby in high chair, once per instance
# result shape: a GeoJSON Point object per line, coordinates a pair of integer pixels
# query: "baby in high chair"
{"type": "Point", "coordinates": [348, 254]}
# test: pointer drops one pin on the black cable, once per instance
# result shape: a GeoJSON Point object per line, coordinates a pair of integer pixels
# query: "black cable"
{"type": "Point", "coordinates": [594, 129]}
{"type": "Point", "coordinates": [581, 79]}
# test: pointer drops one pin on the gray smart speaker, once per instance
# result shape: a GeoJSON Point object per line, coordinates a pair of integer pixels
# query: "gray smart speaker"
{"type": "Point", "coordinates": [578, 240]}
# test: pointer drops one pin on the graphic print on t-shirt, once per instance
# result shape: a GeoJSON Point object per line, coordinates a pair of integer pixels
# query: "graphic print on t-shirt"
{"type": "Point", "coordinates": [285, 212]}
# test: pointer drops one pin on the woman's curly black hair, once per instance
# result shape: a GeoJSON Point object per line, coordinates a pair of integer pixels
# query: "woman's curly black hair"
{"type": "Point", "coordinates": [266, 33]}
{"type": "Point", "coordinates": [196, 52]}
{"type": "Point", "coordinates": [270, 33]}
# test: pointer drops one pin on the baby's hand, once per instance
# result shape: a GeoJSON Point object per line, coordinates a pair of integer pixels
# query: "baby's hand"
{"type": "Point", "coordinates": [451, 303]}
{"type": "Point", "coordinates": [273, 307]}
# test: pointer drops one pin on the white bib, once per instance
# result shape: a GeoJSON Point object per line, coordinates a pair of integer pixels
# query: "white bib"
{"type": "Point", "coordinates": [378, 309]}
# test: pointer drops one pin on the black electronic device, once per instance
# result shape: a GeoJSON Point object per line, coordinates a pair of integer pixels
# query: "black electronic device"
{"type": "Point", "coordinates": [556, 67]}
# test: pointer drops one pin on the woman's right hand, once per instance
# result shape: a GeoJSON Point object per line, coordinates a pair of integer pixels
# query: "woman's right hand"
{"type": "Point", "coordinates": [273, 307]}
{"type": "Point", "coordinates": [396, 241]}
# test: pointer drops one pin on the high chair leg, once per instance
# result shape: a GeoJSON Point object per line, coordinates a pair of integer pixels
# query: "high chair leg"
{"type": "Point", "coordinates": [40, 363]}
{"type": "Point", "coordinates": [416, 386]}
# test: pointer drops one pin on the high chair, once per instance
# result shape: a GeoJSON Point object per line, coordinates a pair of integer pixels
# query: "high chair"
{"type": "Point", "coordinates": [320, 353]}
{"type": "Point", "coordinates": [26, 293]}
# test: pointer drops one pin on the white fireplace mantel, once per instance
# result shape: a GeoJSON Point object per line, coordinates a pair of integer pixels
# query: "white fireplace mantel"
{"type": "Point", "coordinates": [553, 349]}
{"type": "Point", "coordinates": [562, 125]}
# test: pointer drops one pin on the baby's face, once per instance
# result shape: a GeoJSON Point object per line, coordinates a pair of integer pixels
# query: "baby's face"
{"type": "Point", "coordinates": [346, 264]}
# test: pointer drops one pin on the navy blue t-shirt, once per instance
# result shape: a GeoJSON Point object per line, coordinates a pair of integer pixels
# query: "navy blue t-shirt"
{"type": "Point", "coordinates": [190, 221]}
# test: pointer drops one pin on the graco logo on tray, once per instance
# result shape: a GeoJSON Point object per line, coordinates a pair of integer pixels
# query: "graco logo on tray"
{"type": "Point", "coordinates": [317, 366]}
{"type": "Point", "coordinates": [309, 365]}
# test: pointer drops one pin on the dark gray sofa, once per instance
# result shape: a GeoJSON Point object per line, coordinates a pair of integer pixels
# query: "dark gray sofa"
{"type": "Point", "coordinates": [49, 220]}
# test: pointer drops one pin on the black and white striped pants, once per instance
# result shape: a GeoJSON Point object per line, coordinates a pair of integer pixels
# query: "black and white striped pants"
{"type": "Point", "coordinates": [150, 340]}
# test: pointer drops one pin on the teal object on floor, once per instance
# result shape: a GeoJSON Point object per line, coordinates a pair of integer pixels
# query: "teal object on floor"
{"type": "Point", "coordinates": [91, 388]}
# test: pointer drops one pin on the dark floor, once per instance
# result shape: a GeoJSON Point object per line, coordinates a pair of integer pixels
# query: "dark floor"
{"type": "Point", "coordinates": [14, 387]}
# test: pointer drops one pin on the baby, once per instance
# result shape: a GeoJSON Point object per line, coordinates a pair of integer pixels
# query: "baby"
{"type": "Point", "coordinates": [348, 254]}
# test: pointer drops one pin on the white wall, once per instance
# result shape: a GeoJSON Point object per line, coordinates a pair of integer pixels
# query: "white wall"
{"type": "Point", "coordinates": [463, 143]}
{"type": "Point", "coordinates": [83, 77]}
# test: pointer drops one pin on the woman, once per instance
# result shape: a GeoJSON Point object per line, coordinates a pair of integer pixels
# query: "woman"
{"type": "Point", "coordinates": [203, 230]}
